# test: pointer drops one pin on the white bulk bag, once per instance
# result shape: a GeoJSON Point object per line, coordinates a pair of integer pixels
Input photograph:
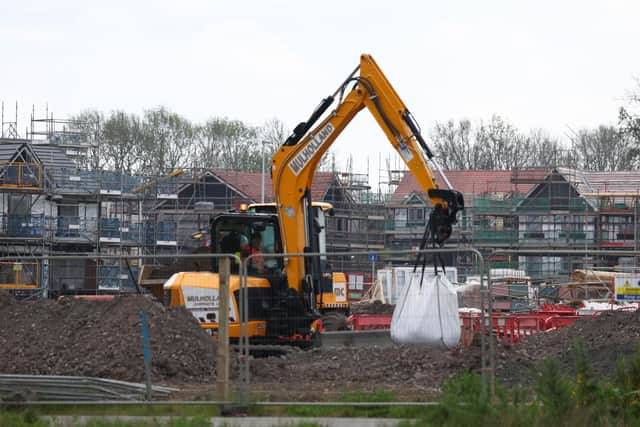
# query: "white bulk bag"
{"type": "Point", "coordinates": [427, 314]}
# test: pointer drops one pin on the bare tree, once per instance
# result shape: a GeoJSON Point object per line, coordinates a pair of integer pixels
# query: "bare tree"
{"type": "Point", "coordinates": [500, 145]}
{"type": "Point", "coordinates": [454, 145]}
{"type": "Point", "coordinates": [91, 122]}
{"type": "Point", "coordinates": [547, 152]}
{"type": "Point", "coordinates": [629, 117]}
{"type": "Point", "coordinates": [494, 144]}
{"type": "Point", "coordinates": [604, 149]}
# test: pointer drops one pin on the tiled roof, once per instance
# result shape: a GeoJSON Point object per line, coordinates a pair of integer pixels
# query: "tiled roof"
{"type": "Point", "coordinates": [250, 184]}
{"type": "Point", "coordinates": [8, 150]}
{"type": "Point", "coordinates": [473, 182]}
{"type": "Point", "coordinates": [48, 155]}
{"type": "Point", "coordinates": [53, 157]}
{"type": "Point", "coordinates": [602, 182]}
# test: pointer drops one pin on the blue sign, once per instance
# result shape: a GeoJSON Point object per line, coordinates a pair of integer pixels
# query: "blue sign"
{"type": "Point", "coordinates": [373, 257]}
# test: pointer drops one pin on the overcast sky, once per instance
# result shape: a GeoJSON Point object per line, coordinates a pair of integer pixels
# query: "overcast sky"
{"type": "Point", "coordinates": [538, 64]}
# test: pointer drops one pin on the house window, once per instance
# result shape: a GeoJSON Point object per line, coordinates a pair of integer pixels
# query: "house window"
{"type": "Point", "coordinates": [415, 216]}
{"type": "Point", "coordinates": [68, 210]}
{"type": "Point", "coordinates": [19, 205]}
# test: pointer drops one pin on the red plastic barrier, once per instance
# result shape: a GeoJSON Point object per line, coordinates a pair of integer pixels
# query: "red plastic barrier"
{"type": "Point", "coordinates": [365, 322]}
{"type": "Point", "coordinates": [511, 328]}
{"type": "Point", "coordinates": [557, 309]}
{"type": "Point", "coordinates": [555, 322]}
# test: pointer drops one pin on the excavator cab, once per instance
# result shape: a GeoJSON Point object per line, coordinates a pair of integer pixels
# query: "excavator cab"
{"type": "Point", "coordinates": [279, 310]}
{"type": "Point", "coordinates": [325, 286]}
{"type": "Point", "coordinates": [245, 234]}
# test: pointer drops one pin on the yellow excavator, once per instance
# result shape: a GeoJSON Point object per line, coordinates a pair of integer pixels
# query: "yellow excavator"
{"type": "Point", "coordinates": [287, 295]}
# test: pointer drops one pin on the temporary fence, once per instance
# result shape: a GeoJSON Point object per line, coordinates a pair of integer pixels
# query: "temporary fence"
{"type": "Point", "coordinates": [242, 288]}
{"type": "Point", "coordinates": [332, 294]}
{"type": "Point", "coordinates": [514, 294]}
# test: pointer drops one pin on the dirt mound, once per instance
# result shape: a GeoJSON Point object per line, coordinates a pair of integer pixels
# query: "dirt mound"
{"type": "Point", "coordinates": [103, 339]}
{"type": "Point", "coordinates": [604, 337]}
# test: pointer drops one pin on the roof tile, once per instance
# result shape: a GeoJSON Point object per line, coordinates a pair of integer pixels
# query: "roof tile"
{"type": "Point", "coordinates": [250, 183]}
{"type": "Point", "coordinates": [473, 182]}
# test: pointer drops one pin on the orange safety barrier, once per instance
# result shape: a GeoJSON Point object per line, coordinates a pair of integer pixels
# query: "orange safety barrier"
{"type": "Point", "coordinates": [19, 275]}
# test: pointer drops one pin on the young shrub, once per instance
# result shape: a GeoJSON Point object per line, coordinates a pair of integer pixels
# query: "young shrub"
{"type": "Point", "coordinates": [553, 390]}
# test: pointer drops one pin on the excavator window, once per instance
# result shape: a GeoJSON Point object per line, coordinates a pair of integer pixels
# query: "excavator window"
{"type": "Point", "coordinates": [246, 235]}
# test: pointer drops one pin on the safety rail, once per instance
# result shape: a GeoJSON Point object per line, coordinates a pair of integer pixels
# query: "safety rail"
{"type": "Point", "coordinates": [74, 227]}
{"type": "Point", "coordinates": [21, 175]}
{"type": "Point", "coordinates": [19, 275]}
{"type": "Point", "coordinates": [71, 388]}
{"type": "Point", "coordinates": [89, 229]}
{"type": "Point", "coordinates": [28, 226]}
{"type": "Point", "coordinates": [89, 270]}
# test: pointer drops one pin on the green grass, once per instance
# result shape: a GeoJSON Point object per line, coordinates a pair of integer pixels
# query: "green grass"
{"type": "Point", "coordinates": [373, 411]}
{"type": "Point", "coordinates": [132, 410]}
{"type": "Point", "coordinates": [30, 418]}
{"type": "Point", "coordinates": [24, 418]}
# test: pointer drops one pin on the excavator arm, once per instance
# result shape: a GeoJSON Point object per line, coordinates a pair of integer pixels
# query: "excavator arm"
{"type": "Point", "coordinates": [295, 163]}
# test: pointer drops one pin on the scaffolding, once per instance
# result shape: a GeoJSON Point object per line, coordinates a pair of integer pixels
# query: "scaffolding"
{"type": "Point", "coordinates": [52, 202]}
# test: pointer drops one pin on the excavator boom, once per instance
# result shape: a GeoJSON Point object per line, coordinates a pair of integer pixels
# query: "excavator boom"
{"type": "Point", "coordinates": [295, 163]}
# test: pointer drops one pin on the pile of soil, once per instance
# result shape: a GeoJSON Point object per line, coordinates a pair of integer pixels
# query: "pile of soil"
{"type": "Point", "coordinates": [103, 339]}
{"type": "Point", "coordinates": [604, 338]}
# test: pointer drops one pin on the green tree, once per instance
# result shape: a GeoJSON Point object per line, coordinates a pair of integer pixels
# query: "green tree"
{"type": "Point", "coordinates": [167, 141]}
{"type": "Point", "coordinates": [122, 142]}
{"type": "Point", "coordinates": [629, 118]}
{"type": "Point", "coordinates": [228, 144]}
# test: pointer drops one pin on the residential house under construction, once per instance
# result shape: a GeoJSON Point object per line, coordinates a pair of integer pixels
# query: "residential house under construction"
{"type": "Point", "coordinates": [535, 211]}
